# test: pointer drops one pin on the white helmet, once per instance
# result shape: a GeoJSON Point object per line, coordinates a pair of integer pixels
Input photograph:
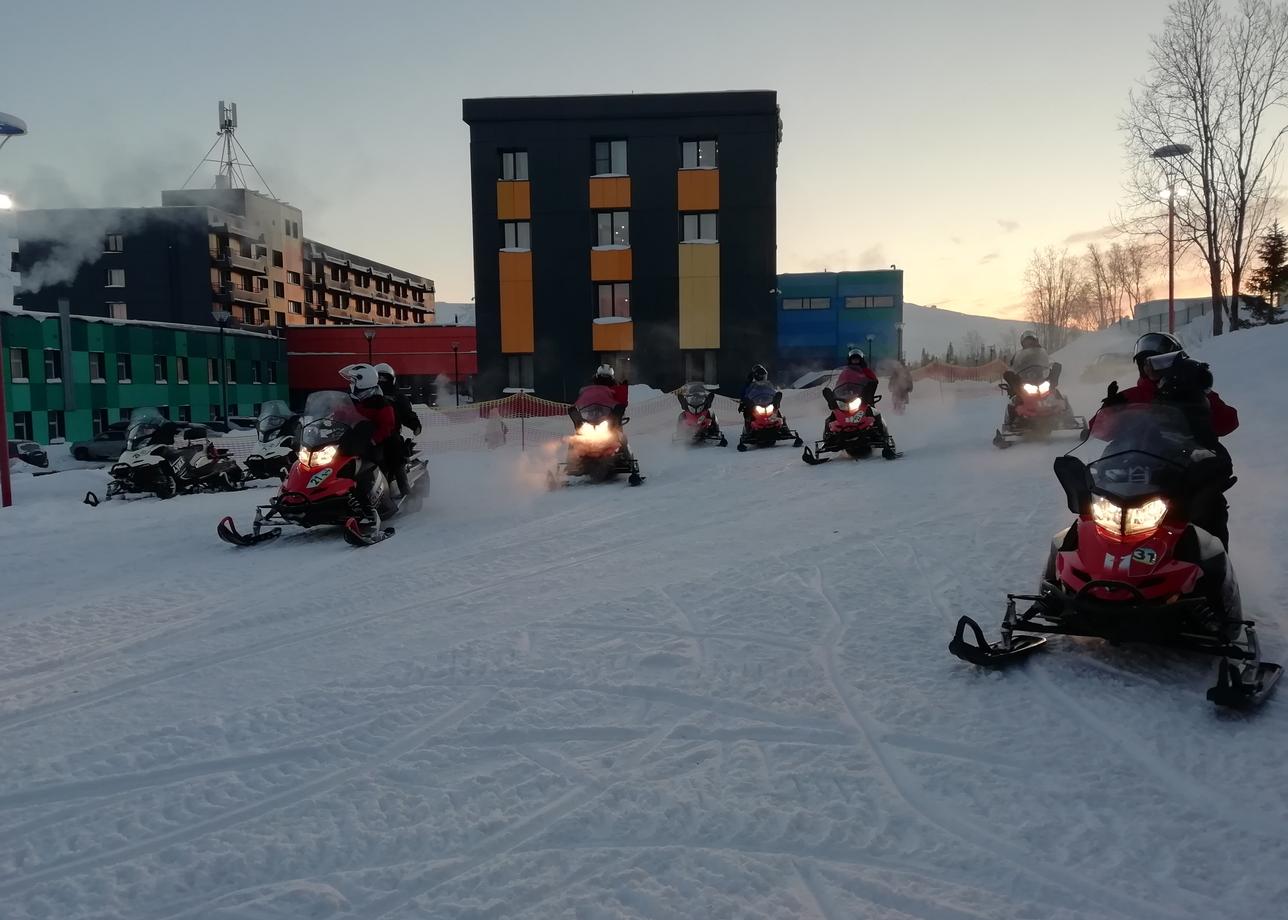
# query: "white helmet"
{"type": "Point", "coordinates": [606, 370]}
{"type": "Point", "coordinates": [363, 380]}
{"type": "Point", "coordinates": [384, 370]}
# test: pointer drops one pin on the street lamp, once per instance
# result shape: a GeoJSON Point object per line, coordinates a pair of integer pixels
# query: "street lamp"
{"type": "Point", "coordinates": [898, 329]}
{"type": "Point", "coordinates": [370, 335]}
{"type": "Point", "coordinates": [1164, 154]}
{"type": "Point", "coordinates": [10, 126]}
{"type": "Point", "coordinates": [872, 359]}
{"type": "Point", "coordinates": [456, 370]}
{"type": "Point", "coordinates": [221, 317]}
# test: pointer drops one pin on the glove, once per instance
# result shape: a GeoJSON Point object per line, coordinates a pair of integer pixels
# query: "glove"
{"type": "Point", "coordinates": [1113, 397]}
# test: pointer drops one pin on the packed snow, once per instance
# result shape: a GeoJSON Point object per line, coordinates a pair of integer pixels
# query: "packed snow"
{"type": "Point", "coordinates": [725, 693]}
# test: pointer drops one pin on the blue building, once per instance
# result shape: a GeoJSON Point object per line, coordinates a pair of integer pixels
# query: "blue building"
{"type": "Point", "coordinates": [822, 314]}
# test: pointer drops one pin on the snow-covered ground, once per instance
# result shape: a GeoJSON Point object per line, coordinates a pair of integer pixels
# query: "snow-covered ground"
{"type": "Point", "coordinates": [723, 694]}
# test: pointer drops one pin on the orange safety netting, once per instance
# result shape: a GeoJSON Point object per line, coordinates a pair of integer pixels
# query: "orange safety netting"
{"type": "Point", "coordinates": [951, 373]}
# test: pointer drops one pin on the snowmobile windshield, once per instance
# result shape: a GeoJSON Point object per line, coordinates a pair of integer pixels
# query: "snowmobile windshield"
{"type": "Point", "coordinates": [695, 396]}
{"type": "Point", "coordinates": [1148, 447]}
{"type": "Point", "coordinates": [1034, 373]}
{"type": "Point", "coordinates": [273, 416]}
{"type": "Point", "coordinates": [145, 422]}
{"type": "Point", "coordinates": [848, 392]}
{"type": "Point", "coordinates": [595, 412]}
{"type": "Point", "coordinates": [762, 393]}
{"type": "Point", "coordinates": [328, 415]}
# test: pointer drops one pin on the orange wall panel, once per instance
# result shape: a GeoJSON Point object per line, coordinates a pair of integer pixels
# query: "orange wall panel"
{"type": "Point", "coordinates": [513, 200]}
{"type": "Point", "coordinates": [516, 317]}
{"type": "Point", "coordinates": [698, 189]}
{"type": "Point", "coordinates": [610, 193]}
{"type": "Point", "coordinates": [515, 266]}
{"type": "Point", "coordinates": [610, 265]}
{"type": "Point", "coordinates": [613, 336]}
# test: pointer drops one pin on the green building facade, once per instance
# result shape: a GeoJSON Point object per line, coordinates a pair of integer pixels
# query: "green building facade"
{"type": "Point", "coordinates": [71, 390]}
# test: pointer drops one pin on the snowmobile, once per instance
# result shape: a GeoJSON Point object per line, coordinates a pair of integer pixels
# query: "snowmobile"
{"type": "Point", "coordinates": [333, 481]}
{"type": "Point", "coordinates": [763, 424]}
{"type": "Point", "coordinates": [854, 426]}
{"type": "Point", "coordinates": [597, 450]}
{"type": "Point", "coordinates": [1134, 567]}
{"type": "Point", "coordinates": [153, 464]}
{"type": "Point", "coordinates": [276, 430]}
{"type": "Point", "coordinates": [697, 423]}
{"type": "Point", "coordinates": [1035, 407]}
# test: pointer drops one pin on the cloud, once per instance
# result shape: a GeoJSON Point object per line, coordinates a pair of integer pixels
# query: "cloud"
{"type": "Point", "coordinates": [1008, 226]}
{"type": "Point", "coordinates": [992, 256]}
{"type": "Point", "coordinates": [1091, 236]}
{"type": "Point", "coordinates": [839, 260]}
{"type": "Point", "coordinates": [957, 240]}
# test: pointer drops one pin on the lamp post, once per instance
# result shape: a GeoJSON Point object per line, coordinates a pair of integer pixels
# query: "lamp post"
{"type": "Point", "coordinates": [456, 370]}
{"type": "Point", "coordinates": [370, 336]}
{"type": "Point", "coordinates": [1164, 154]}
{"type": "Point", "coordinates": [898, 331]}
{"type": "Point", "coordinates": [222, 317]}
{"type": "Point", "coordinates": [872, 359]}
{"type": "Point", "coordinates": [10, 126]}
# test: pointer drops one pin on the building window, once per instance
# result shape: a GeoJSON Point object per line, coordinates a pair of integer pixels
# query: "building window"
{"type": "Point", "coordinates": [185, 413]}
{"type": "Point", "coordinates": [277, 258]}
{"type": "Point", "coordinates": [297, 307]}
{"type": "Point", "coordinates": [97, 367]}
{"type": "Point", "coordinates": [614, 299]}
{"type": "Point", "coordinates": [700, 366]}
{"type": "Point", "coordinates": [159, 374]}
{"type": "Point", "coordinates": [123, 367]}
{"type": "Point", "coordinates": [55, 424]}
{"type": "Point", "coordinates": [293, 277]}
{"type": "Point", "coordinates": [516, 234]}
{"type": "Point", "coordinates": [255, 372]}
{"type": "Point", "coordinates": [695, 227]}
{"type": "Point", "coordinates": [232, 370]}
{"type": "Point", "coordinates": [335, 273]}
{"type": "Point", "coordinates": [18, 365]}
{"type": "Point", "coordinates": [214, 413]}
{"type": "Point", "coordinates": [698, 154]}
{"type": "Point", "coordinates": [22, 426]}
{"type": "Point", "coordinates": [114, 243]}
{"type": "Point", "coordinates": [520, 371]}
{"type": "Point", "coordinates": [279, 289]}
{"type": "Point", "coordinates": [53, 364]}
{"type": "Point", "coordinates": [514, 165]}
{"type": "Point", "coordinates": [272, 372]}
{"type": "Point", "coordinates": [181, 368]}
{"type": "Point", "coordinates": [116, 310]}
{"type": "Point", "coordinates": [870, 302]}
{"type": "Point", "coordinates": [99, 421]}
{"type": "Point", "coordinates": [610, 158]}
{"type": "Point", "coordinates": [613, 228]}
{"type": "Point", "coordinates": [116, 277]}
{"type": "Point", "coordinates": [807, 303]}
{"type": "Point", "coordinates": [279, 320]}
{"type": "Point", "coordinates": [213, 369]}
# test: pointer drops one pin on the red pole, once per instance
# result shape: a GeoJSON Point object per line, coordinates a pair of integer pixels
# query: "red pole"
{"type": "Point", "coordinates": [1171, 258]}
{"type": "Point", "coordinates": [6, 489]}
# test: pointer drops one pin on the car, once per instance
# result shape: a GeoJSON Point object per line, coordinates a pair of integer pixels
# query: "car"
{"type": "Point", "coordinates": [105, 446]}
{"type": "Point", "coordinates": [29, 452]}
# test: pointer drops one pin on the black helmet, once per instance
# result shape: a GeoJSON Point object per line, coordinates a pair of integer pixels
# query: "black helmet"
{"type": "Point", "coordinates": [759, 373]}
{"type": "Point", "coordinates": [1154, 343]}
{"type": "Point", "coordinates": [856, 358]}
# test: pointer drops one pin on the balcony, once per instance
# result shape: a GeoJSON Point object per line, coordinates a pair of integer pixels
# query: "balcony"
{"type": "Point", "coordinates": [227, 258]}
{"type": "Point", "coordinates": [231, 293]}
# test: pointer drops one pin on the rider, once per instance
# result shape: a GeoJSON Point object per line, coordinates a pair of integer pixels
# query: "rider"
{"type": "Point", "coordinates": [857, 373]}
{"type": "Point", "coordinates": [1033, 358]}
{"type": "Point", "coordinates": [364, 387]}
{"type": "Point", "coordinates": [396, 452]}
{"type": "Point", "coordinates": [603, 390]}
{"type": "Point", "coordinates": [1214, 418]}
{"type": "Point", "coordinates": [758, 376]}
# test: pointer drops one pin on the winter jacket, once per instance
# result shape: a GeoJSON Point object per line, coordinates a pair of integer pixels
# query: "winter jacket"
{"type": "Point", "coordinates": [1224, 418]}
{"type": "Point", "coordinates": [1030, 357]}
{"type": "Point", "coordinates": [856, 375]}
{"type": "Point", "coordinates": [404, 413]}
{"type": "Point", "coordinates": [378, 411]}
{"type": "Point", "coordinates": [596, 394]}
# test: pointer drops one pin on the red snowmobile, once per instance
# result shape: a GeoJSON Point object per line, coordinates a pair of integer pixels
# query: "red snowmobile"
{"type": "Point", "coordinates": [697, 423]}
{"type": "Point", "coordinates": [597, 449]}
{"type": "Point", "coordinates": [1035, 407]}
{"type": "Point", "coordinates": [853, 427]}
{"type": "Point", "coordinates": [333, 482]}
{"type": "Point", "coordinates": [763, 424]}
{"type": "Point", "coordinates": [1134, 567]}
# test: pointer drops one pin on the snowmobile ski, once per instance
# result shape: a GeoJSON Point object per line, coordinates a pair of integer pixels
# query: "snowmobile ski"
{"type": "Point", "coordinates": [354, 535]}
{"type": "Point", "coordinates": [1244, 686]}
{"type": "Point", "coordinates": [229, 533]}
{"type": "Point", "coordinates": [812, 458]}
{"type": "Point", "coordinates": [998, 654]}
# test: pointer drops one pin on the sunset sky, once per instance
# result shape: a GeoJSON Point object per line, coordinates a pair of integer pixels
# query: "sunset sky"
{"type": "Point", "coordinates": [949, 138]}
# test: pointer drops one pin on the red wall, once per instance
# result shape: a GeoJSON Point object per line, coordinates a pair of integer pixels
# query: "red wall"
{"type": "Point", "coordinates": [315, 354]}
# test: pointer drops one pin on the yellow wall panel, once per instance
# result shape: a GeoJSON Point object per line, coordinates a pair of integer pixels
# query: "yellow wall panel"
{"type": "Point", "coordinates": [699, 295]}
{"type": "Point", "coordinates": [610, 193]}
{"type": "Point", "coordinates": [610, 265]}
{"type": "Point", "coordinates": [513, 200]}
{"type": "Point", "coordinates": [698, 189]}
{"type": "Point", "coordinates": [613, 336]}
{"type": "Point", "coordinates": [699, 260]}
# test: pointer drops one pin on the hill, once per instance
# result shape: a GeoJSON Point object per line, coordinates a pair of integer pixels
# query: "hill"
{"type": "Point", "coordinates": [932, 328]}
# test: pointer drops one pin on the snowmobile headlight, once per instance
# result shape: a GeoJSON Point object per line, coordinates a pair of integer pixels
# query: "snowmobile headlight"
{"type": "Point", "coordinates": [1107, 515]}
{"type": "Point", "coordinates": [764, 410]}
{"type": "Point", "coordinates": [1044, 387]}
{"type": "Point", "coordinates": [303, 456]}
{"type": "Point", "coordinates": [324, 456]}
{"type": "Point", "coordinates": [586, 429]}
{"type": "Point", "coordinates": [855, 404]}
{"type": "Point", "coordinates": [1146, 517]}
{"type": "Point", "coordinates": [602, 427]}
{"type": "Point", "coordinates": [1031, 389]}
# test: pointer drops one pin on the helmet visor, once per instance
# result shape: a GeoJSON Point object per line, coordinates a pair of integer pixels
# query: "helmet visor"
{"type": "Point", "coordinates": [1155, 343]}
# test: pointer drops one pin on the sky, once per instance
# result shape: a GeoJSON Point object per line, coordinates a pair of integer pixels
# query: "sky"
{"type": "Point", "coordinates": [948, 137]}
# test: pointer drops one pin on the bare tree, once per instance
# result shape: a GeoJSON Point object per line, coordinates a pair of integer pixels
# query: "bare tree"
{"type": "Point", "coordinates": [1133, 263]}
{"type": "Point", "coordinates": [1054, 284]}
{"type": "Point", "coordinates": [1256, 59]}
{"type": "Point", "coordinates": [1184, 99]}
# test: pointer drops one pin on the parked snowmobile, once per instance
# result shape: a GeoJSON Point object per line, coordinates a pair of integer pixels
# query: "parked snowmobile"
{"type": "Point", "coordinates": [854, 426]}
{"type": "Point", "coordinates": [276, 430]}
{"type": "Point", "coordinates": [597, 449]}
{"type": "Point", "coordinates": [334, 480]}
{"type": "Point", "coordinates": [153, 464]}
{"type": "Point", "coordinates": [1035, 407]}
{"type": "Point", "coordinates": [1133, 567]}
{"type": "Point", "coordinates": [763, 424]}
{"type": "Point", "coordinates": [697, 423]}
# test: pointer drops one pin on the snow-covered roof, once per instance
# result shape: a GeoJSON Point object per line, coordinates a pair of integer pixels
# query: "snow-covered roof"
{"type": "Point", "coordinates": [186, 327]}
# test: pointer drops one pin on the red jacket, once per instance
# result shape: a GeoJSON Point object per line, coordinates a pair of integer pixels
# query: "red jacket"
{"type": "Point", "coordinates": [381, 414]}
{"type": "Point", "coordinates": [1225, 418]}
{"type": "Point", "coordinates": [598, 394]}
{"type": "Point", "coordinates": [860, 375]}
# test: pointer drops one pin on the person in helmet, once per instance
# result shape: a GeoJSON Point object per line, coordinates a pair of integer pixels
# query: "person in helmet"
{"type": "Point", "coordinates": [1208, 508]}
{"type": "Point", "coordinates": [396, 452]}
{"type": "Point", "coordinates": [605, 376]}
{"type": "Point", "coordinates": [856, 371]}
{"type": "Point", "coordinates": [900, 384]}
{"type": "Point", "coordinates": [1031, 363]}
{"type": "Point", "coordinates": [603, 390]}
{"type": "Point", "coordinates": [364, 387]}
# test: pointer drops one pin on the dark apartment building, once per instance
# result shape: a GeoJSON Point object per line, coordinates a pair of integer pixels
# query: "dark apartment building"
{"type": "Point", "coordinates": [203, 252]}
{"type": "Point", "coordinates": [635, 230]}
{"type": "Point", "coordinates": [342, 288]}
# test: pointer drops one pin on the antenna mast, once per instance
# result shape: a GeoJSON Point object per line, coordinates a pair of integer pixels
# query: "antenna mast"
{"type": "Point", "coordinates": [232, 155]}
